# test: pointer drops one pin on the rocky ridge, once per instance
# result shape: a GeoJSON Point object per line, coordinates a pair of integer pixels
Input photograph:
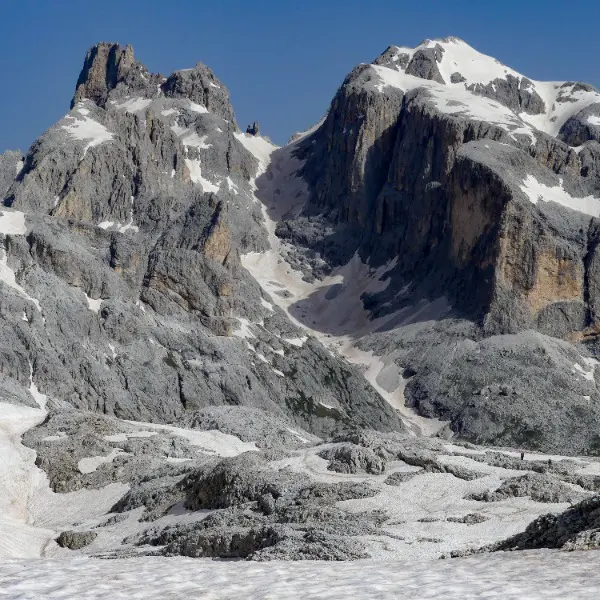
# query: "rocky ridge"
{"type": "Point", "coordinates": [231, 346]}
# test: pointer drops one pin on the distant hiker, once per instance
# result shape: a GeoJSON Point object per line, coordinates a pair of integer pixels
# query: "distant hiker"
{"type": "Point", "coordinates": [522, 455]}
{"type": "Point", "coordinates": [549, 463]}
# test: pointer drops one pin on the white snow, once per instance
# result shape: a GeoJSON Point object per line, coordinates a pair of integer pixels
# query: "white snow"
{"type": "Point", "coordinates": [561, 104]}
{"type": "Point", "coordinates": [337, 320]}
{"type": "Point", "coordinates": [196, 141]}
{"type": "Point", "coordinates": [588, 370]}
{"type": "Point", "coordinates": [121, 227]}
{"type": "Point", "coordinates": [169, 111]}
{"type": "Point", "coordinates": [232, 186]}
{"type": "Point", "coordinates": [259, 147]}
{"type": "Point", "coordinates": [134, 104]}
{"type": "Point", "coordinates": [40, 399]}
{"type": "Point", "coordinates": [30, 512]}
{"type": "Point", "coordinates": [299, 341]}
{"type": "Point", "coordinates": [560, 99]}
{"type": "Point", "coordinates": [538, 575]}
{"type": "Point", "coordinates": [456, 100]}
{"type": "Point", "coordinates": [195, 169]}
{"type": "Point", "coordinates": [94, 305]}
{"type": "Point", "coordinates": [127, 226]}
{"type": "Point", "coordinates": [212, 441]}
{"type": "Point", "coordinates": [198, 108]}
{"type": "Point", "coordinates": [123, 437]}
{"type": "Point", "coordinates": [19, 167]}
{"type": "Point", "coordinates": [87, 130]}
{"type": "Point", "coordinates": [61, 435]}
{"type": "Point", "coordinates": [90, 464]}
{"type": "Point", "coordinates": [12, 222]}
{"type": "Point", "coordinates": [536, 191]}
{"type": "Point", "coordinates": [178, 130]}
{"type": "Point", "coordinates": [296, 434]}
{"type": "Point", "coordinates": [474, 66]}
{"type": "Point", "coordinates": [303, 134]}
{"type": "Point", "coordinates": [266, 305]}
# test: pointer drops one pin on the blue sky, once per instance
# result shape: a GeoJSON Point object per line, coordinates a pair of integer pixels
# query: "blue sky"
{"type": "Point", "coordinates": [281, 60]}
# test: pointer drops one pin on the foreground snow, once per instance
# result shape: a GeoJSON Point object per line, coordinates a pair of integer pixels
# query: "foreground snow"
{"type": "Point", "coordinates": [508, 576]}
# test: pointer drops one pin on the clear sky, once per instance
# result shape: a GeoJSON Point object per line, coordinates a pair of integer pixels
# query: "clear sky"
{"type": "Point", "coordinates": [282, 60]}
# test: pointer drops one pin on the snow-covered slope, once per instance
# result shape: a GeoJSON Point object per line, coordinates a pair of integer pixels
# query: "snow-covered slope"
{"type": "Point", "coordinates": [533, 575]}
{"type": "Point", "coordinates": [462, 69]}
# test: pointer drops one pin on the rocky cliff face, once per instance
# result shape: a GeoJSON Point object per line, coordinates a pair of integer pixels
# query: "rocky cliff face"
{"type": "Point", "coordinates": [122, 284]}
{"type": "Point", "coordinates": [481, 186]}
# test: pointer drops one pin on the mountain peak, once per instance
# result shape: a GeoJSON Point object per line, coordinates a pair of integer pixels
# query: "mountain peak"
{"type": "Point", "coordinates": [105, 65]}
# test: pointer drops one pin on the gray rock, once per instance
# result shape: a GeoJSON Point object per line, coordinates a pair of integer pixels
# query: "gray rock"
{"type": "Point", "coordinates": [577, 528]}
{"type": "Point", "coordinates": [350, 458]}
{"type": "Point", "coordinates": [237, 480]}
{"type": "Point", "coordinates": [122, 221]}
{"type": "Point", "coordinates": [268, 430]}
{"type": "Point", "coordinates": [469, 519]}
{"type": "Point", "coordinates": [424, 64]}
{"type": "Point", "coordinates": [75, 540]}
{"type": "Point", "coordinates": [400, 477]}
{"type": "Point", "coordinates": [253, 128]}
{"type": "Point", "coordinates": [540, 488]}
{"type": "Point", "coordinates": [67, 437]}
{"type": "Point", "coordinates": [11, 163]}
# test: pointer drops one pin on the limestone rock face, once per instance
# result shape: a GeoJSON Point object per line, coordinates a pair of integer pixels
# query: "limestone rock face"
{"type": "Point", "coordinates": [202, 87]}
{"type": "Point", "coordinates": [480, 188]}
{"type": "Point", "coordinates": [105, 66]}
{"type": "Point", "coordinates": [129, 296]}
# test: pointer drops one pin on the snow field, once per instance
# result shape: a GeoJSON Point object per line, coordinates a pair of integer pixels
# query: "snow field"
{"type": "Point", "coordinates": [507, 576]}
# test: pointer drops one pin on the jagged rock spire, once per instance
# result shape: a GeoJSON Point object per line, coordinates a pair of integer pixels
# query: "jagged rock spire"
{"type": "Point", "coordinates": [106, 64]}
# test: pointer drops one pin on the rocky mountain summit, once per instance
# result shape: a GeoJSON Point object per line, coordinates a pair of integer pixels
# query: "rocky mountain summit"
{"type": "Point", "coordinates": [135, 208]}
{"type": "Point", "coordinates": [474, 193]}
{"type": "Point", "coordinates": [196, 321]}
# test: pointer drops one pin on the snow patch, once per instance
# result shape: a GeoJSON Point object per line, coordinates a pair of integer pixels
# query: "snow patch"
{"type": "Point", "coordinates": [7, 275]}
{"type": "Point", "coordinates": [90, 464]}
{"type": "Point", "coordinates": [134, 105]}
{"type": "Point", "coordinates": [536, 191]}
{"type": "Point", "coordinates": [196, 141]}
{"type": "Point", "coordinates": [258, 146]}
{"type": "Point", "coordinates": [266, 305]}
{"type": "Point", "coordinates": [212, 441]}
{"type": "Point", "coordinates": [94, 305]}
{"type": "Point", "coordinates": [123, 437]}
{"type": "Point", "coordinates": [197, 108]}
{"type": "Point", "coordinates": [298, 341]}
{"type": "Point", "coordinates": [12, 222]}
{"type": "Point", "coordinates": [536, 575]}
{"type": "Point", "coordinates": [233, 187]}
{"type": "Point", "coordinates": [195, 170]}
{"type": "Point", "coordinates": [87, 130]}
